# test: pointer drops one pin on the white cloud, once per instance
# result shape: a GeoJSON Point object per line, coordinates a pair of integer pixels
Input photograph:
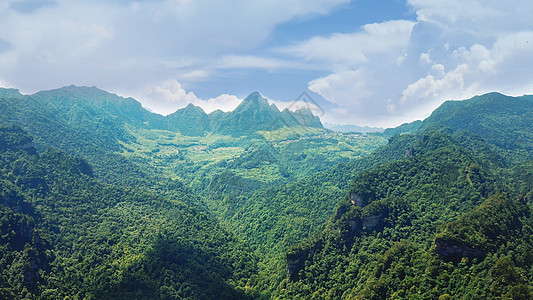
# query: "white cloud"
{"type": "Point", "coordinates": [355, 48]}
{"type": "Point", "coordinates": [425, 58]}
{"type": "Point", "coordinates": [456, 50]}
{"type": "Point", "coordinates": [437, 70]}
{"type": "Point", "coordinates": [249, 61]}
{"type": "Point", "coordinates": [401, 59]}
{"type": "Point", "coordinates": [379, 74]}
{"type": "Point", "coordinates": [223, 102]}
{"type": "Point", "coordinates": [429, 87]}
{"type": "Point", "coordinates": [169, 96]}
{"type": "Point", "coordinates": [194, 75]}
{"type": "Point", "coordinates": [5, 84]}
{"type": "Point", "coordinates": [347, 87]}
{"type": "Point", "coordinates": [124, 44]}
{"type": "Point", "coordinates": [451, 11]}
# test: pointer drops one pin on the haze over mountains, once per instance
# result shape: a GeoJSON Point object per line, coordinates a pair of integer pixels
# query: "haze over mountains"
{"type": "Point", "coordinates": [100, 198]}
{"type": "Point", "coordinates": [253, 114]}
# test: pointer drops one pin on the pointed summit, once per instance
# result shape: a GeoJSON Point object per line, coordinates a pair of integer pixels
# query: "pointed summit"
{"type": "Point", "coordinates": [190, 120]}
{"type": "Point", "coordinates": [255, 114]}
{"type": "Point", "coordinates": [255, 96]}
{"type": "Point", "coordinates": [254, 102]}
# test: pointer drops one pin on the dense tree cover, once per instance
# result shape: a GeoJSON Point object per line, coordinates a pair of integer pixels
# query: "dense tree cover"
{"type": "Point", "coordinates": [404, 128]}
{"type": "Point", "coordinates": [64, 233]}
{"type": "Point", "coordinates": [433, 224]}
{"type": "Point", "coordinates": [128, 145]}
{"type": "Point", "coordinates": [502, 121]}
{"type": "Point", "coordinates": [85, 122]}
{"type": "Point", "coordinates": [190, 120]}
{"type": "Point", "coordinates": [255, 113]}
{"type": "Point", "coordinates": [443, 214]}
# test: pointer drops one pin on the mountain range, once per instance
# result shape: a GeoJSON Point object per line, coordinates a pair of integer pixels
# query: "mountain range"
{"type": "Point", "coordinates": [73, 104]}
{"type": "Point", "coordinates": [100, 198]}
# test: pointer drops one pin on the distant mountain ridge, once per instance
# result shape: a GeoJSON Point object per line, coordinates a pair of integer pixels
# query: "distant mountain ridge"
{"type": "Point", "coordinates": [253, 114]}
{"type": "Point", "coordinates": [352, 128]}
{"type": "Point", "coordinates": [442, 209]}
{"type": "Point", "coordinates": [504, 122]}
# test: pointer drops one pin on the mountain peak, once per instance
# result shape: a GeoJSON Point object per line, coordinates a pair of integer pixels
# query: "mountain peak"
{"type": "Point", "coordinates": [254, 102]}
{"type": "Point", "coordinates": [192, 107]}
{"type": "Point", "coordinates": [190, 120]}
{"type": "Point", "coordinates": [255, 96]}
{"type": "Point", "coordinates": [9, 93]}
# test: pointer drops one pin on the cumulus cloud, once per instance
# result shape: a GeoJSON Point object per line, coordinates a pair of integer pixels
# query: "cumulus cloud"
{"type": "Point", "coordinates": [455, 50]}
{"type": "Point", "coordinates": [249, 61]}
{"type": "Point", "coordinates": [363, 64]}
{"type": "Point", "coordinates": [123, 44]}
{"type": "Point", "coordinates": [425, 58]}
{"type": "Point", "coordinates": [347, 87]}
{"type": "Point", "coordinates": [169, 96]}
{"type": "Point", "coordinates": [447, 12]}
{"type": "Point", "coordinates": [430, 87]}
{"type": "Point", "coordinates": [481, 69]}
{"type": "Point", "coordinates": [5, 84]}
{"type": "Point", "coordinates": [380, 74]}
{"type": "Point", "coordinates": [354, 48]}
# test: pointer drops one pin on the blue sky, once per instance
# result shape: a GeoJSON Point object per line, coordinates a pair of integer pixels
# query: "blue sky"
{"type": "Point", "coordinates": [377, 63]}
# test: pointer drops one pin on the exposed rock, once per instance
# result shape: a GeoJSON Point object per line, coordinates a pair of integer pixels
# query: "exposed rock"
{"type": "Point", "coordinates": [372, 222]}
{"type": "Point", "coordinates": [356, 200]}
{"type": "Point", "coordinates": [349, 228]}
{"type": "Point", "coordinates": [31, 268]}
{"type": "Point", "coordinates": [296, 262]}
{"type": "Point", "coordinates": [451, 249]}
{"type": "Point", "coordinates": [409, 152]}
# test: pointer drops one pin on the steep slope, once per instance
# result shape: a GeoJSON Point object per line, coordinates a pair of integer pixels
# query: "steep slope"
{"type": "Point", "coordinates": [83, 121]}
{"type": "Point", "coordinates": [65, 234]}
{"type": "Point", "coordinates": [103, 127]}
{"type": "Point", "coordinates": [215, 117]}
{"type": "Point", "coordinates": [438, 177]}
{"type": "Point", "coordinates": [254, 114]}
{"type": "Point", "coordinates": [502, 121]}
{"type": "Point", "coordinates": [271, 219]}
{"type": "Point", "coordinates": [381, 242]}
{"type": "Point", "coordinates": [300, 117]}
{"type": "Point", "coordinates": [9, 93]}
{"type": "Point", "coordinates": [191, 120]}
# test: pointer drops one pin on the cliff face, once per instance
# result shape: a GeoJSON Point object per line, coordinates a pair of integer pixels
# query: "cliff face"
{"type": "Point", "coordinates": [295, 261]}
{"type": "Point", "coordinates": [452, 249]}
{"type": "Point", "coordinates": [356, 200]}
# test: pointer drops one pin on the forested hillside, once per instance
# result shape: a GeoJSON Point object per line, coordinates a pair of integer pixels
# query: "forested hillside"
{"type": "Point", "coordinates": [431, 224]}
{"type": "Point", "coordinates": [64, 233]}
{"type": "Point", "coordinates": [102, 199]}
{"type": "Point", "coordinates": [107, 129]}
{"type": "Point", "coordinates": [452, 218]}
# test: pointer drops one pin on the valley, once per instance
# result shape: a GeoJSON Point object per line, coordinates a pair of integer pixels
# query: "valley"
{"type": "Point", "coordinates": [102, 199]}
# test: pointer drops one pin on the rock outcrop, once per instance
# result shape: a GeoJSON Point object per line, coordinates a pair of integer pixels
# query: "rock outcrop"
{"type": "Point", "coordinates": [295, 260]}
{"type": "Point", "coordinates": [456, 249]}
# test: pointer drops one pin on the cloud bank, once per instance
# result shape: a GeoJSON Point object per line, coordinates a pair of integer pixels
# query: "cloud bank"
{"type": "Point", "coordinates": [166, 52]}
